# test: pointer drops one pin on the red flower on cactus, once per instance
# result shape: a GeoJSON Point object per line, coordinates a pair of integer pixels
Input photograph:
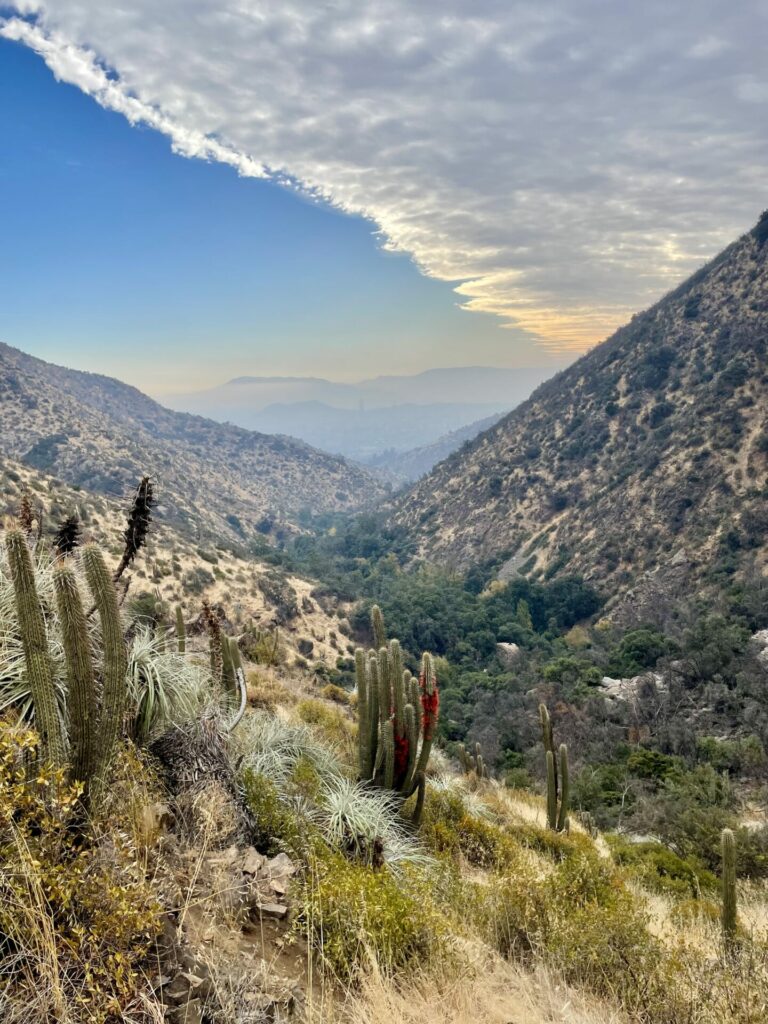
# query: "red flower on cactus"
{"type": "Point", "coordinates": [430, 704]}
{"type": "Point", "coordinates": [402, 749]}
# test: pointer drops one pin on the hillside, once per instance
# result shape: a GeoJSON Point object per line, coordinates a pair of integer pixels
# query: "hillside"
{"type": "Point", "coordinates": [256, 598]}
{"type": "Point", "coordinates": [97, 433]}
{"type": "Point", "coordinates": [406, 467]}
{"type": "Point", "coordinates": [647, 455]}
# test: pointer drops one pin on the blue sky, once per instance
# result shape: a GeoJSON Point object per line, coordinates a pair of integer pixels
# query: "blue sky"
{"type": "Point", "coordinates": [549, 167]}
{"type": "Point", "coordinates": [119, 256]}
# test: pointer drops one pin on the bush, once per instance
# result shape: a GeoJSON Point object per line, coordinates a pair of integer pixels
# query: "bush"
{"type": "Point", "coordinates": [353, 913]}
{"type": "Point", "coordinates": [662, 870]}
{"type": "Point", "coordinates": [74, 900]}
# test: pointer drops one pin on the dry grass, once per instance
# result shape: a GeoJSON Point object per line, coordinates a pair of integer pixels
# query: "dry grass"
{"type": "Point", "coordinates": [494, 992]}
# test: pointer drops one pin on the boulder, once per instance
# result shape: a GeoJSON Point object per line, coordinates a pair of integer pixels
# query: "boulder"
{"type": "Point", "coordinates": [508, 654]}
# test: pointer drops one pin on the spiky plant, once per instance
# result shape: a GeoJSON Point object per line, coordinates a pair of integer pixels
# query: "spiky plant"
{"type": "Point", "coordinates": [397, 715]}
{"type": "Point", "coordinates": [26, 515]}
{"type": "Point", "coordinates": [181, 631]}
{"type": "Point", "coordinates": [81, 686]}
{"type": "Point", "coordinates": [728, 884]}
{"type": "Point", "coordinates": [558, 787]}
{"type": "Point", "coordinates": [67, 536]}
{"type": "Point", "coordinates": [215, 642]}
{"type": "Point", "coordinates": [137, 527]}
{"type": "Point", "coordinates": [114, 659]}
{"type": "Point", "coordinates": [37, 656]}
{"type": "Point", "coordinates": [164, 687]}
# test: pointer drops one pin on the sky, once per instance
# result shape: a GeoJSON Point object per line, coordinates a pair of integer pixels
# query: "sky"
{"type": "Point", "coordinates": [191, 191]}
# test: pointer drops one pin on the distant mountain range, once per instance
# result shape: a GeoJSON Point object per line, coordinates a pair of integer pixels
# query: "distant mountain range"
{"type": "Point", "coordinates": [100, 434]}
{"type": "Point", "coordinates": [367, 419]}
{"type": "Point", "coordinates": [407, 467]}
{"type": "Point", "coordinates": [648, 455]}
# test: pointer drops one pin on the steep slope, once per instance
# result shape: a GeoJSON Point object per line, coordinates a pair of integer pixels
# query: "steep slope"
{"type": "Point", "coordinates": [177, 570]}
{"type": "Point", "coordinates": [97, 433]}
{"type": "Point", "coordinates": [405, 467]}
{"type": "Point", "coordinates": [653, 445]}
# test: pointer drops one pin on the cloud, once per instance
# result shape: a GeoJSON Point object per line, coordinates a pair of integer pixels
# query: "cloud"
{"type": "Point", "coordinates": [562, 164]}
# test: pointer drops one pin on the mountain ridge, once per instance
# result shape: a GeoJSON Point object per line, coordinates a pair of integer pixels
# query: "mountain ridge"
{"type": "Point", "coordinates": [216, 477]}
{"type": "Point", "coordinates": [558, 483]}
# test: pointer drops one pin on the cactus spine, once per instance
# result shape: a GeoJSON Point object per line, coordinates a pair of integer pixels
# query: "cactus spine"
{"type": "Point", "coordinates": [728, 852]}
{"type": "Point", "coordinates": [81, 687]}
{"type": "Point", "coordinates": [558, 783]}
{"type": "Point", "coordinates": [114, 690]}
{"type": "Point", "coordinates": [36, 654]}
{"type": "Point", "coordinates": [397, 715]}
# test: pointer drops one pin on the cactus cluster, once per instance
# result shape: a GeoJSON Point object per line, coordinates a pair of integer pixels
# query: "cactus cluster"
{"type": "Point", "coordinates": [88, 744]}
{"type": "Point", "coordinates": [397, 717]}
{"type": "Point", "coordinates": [558, 787]}
{"type": "Point", "coordinates": [473, 762]}
{"type": "Point", "coordinates": [226, 662]}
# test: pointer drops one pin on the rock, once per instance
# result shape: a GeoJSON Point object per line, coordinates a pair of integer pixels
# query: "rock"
{"type": "Point", "coordinates": [200, 987]}
{"type": "Point", "coordinates": [278, 911]}
{"type": "Point", "coordinates": [508, 654]}
{"type": "Point", "coordinates": [252, 861]}
{"type": "Point", "coordinates": [630, 689]}
{"type": "Point", "coordinates": [178, 991]}
{"type": "Point", "coordinates": [278, 886]}
{"type": "Point", "coordinates": [190, 1013]}
{"type": "Point", "coordinates": [225, 857]}
{"type": "Point", "coordinates": [760, 640]}
{"type": "Point", "coordinates": [281, 865]}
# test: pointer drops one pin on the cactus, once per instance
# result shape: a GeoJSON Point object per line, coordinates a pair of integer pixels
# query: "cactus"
{"type": "Point", "coordinates": [558, 782]}
{"type": "Point", "coordinates": [562, 814]}
{"type": "Point", "coordinates": [421, 791]}
{"type": "Point", "coordinates": [728, 880]}
{"type": "Point", "coordinates": [397, 715]}
{"type": "Point", "coordinates": [181, 631]}
{"type": "Point", "coordinates": [114, 690]}
{"type": "Point", "coordinates": [81, 686]}
{"type": "Point", "coordinates": [551, 792]}
{"type": "Point", "coordinates": [377, 626]}
{"type": "Point", "coordinates": [36, 654]}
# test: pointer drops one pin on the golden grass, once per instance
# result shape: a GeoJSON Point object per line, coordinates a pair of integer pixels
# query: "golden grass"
{"type": "Point", "coordinates": [494, 992]}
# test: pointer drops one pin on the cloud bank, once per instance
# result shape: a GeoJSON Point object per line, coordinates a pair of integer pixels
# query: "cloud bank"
{"type": "Point", "coordinates": [561, 163]}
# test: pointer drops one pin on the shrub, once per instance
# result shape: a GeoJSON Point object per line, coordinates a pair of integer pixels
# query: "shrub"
{"type": "Point", "coordinates": [352, 913]}
{"type": "Point", "coordinates": [275, 827]}
{"type": "Point", "coordinates": [74, 901]}
{"type": "Point", "coordinates": [662, 870]}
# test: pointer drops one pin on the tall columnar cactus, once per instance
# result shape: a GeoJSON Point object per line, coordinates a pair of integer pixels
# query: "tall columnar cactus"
{"type": "Point", "coordinates": [377, 626]}
{"type": "Point", "coordinates": [728, 881]}
{"type": "Point", "coordinates": [181, 631]}
{"type": "Point", "coordinates": [81, 687]}
{"type": "Point", "coordinates": [565, 790]}
{"type": "Point", "coordinates": [115, 661]}
{"type": "Point", "coordinates": [36, 653]}
{"type": "Point", "coordinates": [397, 715]}
{"type": "Point", "coordinates": [473, 763]}
{"type": "Point", "coordinates": [558, 779]}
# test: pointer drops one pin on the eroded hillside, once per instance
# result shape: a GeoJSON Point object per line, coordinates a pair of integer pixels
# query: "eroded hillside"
{"type": "Point", "coordinates": [650, 448]}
